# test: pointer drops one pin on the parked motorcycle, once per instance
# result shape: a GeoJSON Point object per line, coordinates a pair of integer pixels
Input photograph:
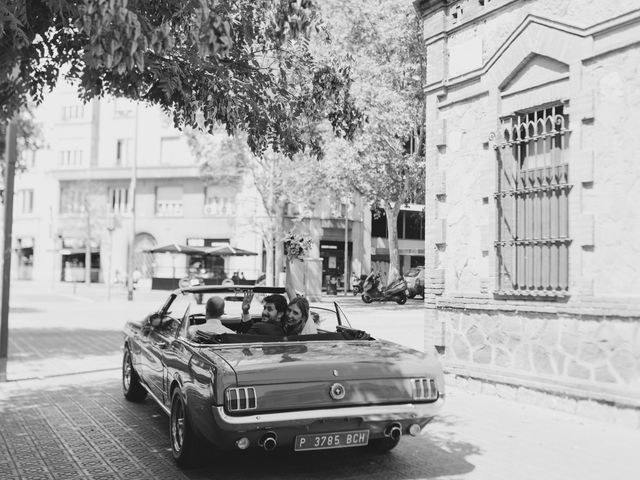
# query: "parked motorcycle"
{"type": "Point", "coordinates": [357, 284]}
{"type": "Point", "coordinates": [396, 290]}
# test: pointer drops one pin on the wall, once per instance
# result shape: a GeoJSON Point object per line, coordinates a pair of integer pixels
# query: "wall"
{"type": "Point", "coordinates": [584, 53]}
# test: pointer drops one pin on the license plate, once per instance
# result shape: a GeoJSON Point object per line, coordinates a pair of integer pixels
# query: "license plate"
{"type": "Point", "coordinates": [323, 441]}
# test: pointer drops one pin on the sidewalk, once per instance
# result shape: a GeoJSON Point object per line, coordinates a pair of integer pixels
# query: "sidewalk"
{"type": "Point", "coordinates": [81, 427]}
{"type": "Point", "coordinates": [69, 328]}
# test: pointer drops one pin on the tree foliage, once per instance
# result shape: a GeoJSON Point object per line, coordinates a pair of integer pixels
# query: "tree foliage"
{"type": "Point", "coordinates": [381, 40]}
{"type": "Point", "coordinates": [244, 64]}
{"type": "Point", "coordinates": [29, 138]}
{"type": "Point", "coordinates": [303, 180]}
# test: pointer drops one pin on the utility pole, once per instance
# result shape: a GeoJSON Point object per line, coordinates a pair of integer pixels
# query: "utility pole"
{"type": "Point", "coordinates": [11, 154]}
{"type": "Point", "coordinates": [134, 179]}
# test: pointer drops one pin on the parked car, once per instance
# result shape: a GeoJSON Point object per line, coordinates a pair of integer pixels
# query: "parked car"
{"type": "Point", "coordinates": [415, 281]}
{"type": "Point", "coordinates": [335, 389]}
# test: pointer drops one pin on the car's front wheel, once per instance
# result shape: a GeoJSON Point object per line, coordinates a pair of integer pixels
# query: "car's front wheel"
{"type": "Point", "coordinates": [366, 298]}
{"type": "Point", "coordinates": [184, 444]}
{"type": "Point", "coordinates": [383, 445]}
{"type": "Point", "coordinates": [131, 386]}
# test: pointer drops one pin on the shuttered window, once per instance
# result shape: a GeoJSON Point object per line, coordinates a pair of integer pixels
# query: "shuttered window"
{"type": "Point", "coordinates": [532, 199]}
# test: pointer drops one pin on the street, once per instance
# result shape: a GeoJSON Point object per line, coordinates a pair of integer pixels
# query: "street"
{"type": "Point", "coordinates": [81, 329]}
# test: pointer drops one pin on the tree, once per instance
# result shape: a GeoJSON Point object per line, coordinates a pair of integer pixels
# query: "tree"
{"type": "Point", "coordinates": [29, 134]}
{"type": "Point", "coordinates": [382, 41]}
{"type": "Point", "coordinates": [238, 63]}
{"type": "Point", "coordinates": [303, 181]}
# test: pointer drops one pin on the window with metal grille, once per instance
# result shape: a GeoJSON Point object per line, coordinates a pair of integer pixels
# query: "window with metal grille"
{"type": "Point", "coordinates": [532, 200]}
{"type": "Point", "coordinates": [118, 200]}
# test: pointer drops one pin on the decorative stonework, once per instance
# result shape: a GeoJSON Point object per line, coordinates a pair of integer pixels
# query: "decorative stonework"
{"type": "Point", "coordinates": [555, 349]}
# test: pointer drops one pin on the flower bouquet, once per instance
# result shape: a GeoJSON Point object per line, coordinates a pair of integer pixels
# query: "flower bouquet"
{"type": "Point", "coordinates": [296, 246]}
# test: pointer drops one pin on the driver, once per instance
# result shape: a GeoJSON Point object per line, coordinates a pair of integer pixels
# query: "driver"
{"type": "Point", "coordinates": [214, 310]}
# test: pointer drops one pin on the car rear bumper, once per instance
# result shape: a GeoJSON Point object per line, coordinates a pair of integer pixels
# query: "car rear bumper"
{"type": "Point", "coordinates": [373, 413]}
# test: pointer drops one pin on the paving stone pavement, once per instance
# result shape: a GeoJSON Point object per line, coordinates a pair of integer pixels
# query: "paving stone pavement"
{"type": "Point", "coordinates": [81, 427]}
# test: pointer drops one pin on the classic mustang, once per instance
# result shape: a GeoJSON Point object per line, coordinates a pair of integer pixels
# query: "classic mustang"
{"type": "Point", "coordinates": [334, 389]}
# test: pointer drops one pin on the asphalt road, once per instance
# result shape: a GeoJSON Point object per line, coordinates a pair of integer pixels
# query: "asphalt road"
{"type": "Point", "coordinates": [70, 330]}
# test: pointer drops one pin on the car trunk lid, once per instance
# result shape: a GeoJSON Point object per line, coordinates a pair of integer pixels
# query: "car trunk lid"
{"type": "Point", "coordinates": [285, 376]}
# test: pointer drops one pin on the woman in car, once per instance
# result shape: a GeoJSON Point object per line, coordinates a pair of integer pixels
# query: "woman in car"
{"type": "Point", "coordinates": [297, 320]}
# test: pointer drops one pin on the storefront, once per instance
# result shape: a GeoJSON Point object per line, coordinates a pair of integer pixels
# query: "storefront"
{"type": "Point", "coordinates": [332, 254]}
{"type": "Point", "coordinates": [211, 268]}
{"type": "Point", "coordinates": [24, 255]}
{"type": "Point", "coordinates": [73, 256]}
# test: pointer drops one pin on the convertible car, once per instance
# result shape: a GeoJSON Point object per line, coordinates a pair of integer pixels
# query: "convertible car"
{"type": "Point", "coordinates": [338, 388]}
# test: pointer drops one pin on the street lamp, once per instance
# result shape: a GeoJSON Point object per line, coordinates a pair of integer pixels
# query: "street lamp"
{"type": "Point", "coordinates": [111, 225]}
{"type": "Point", "coordinates": [134, 178]}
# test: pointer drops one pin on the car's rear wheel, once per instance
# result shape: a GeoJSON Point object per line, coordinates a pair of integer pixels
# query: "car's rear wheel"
{"type": "Point", "coordinates": [383, 445]}
{"type": "Point", "coordinates": [401, 299]}
{"type": "Point", "coordinates": [131, 386]}
{"type": "Point", "coordinates": [184, 444]}
{"type": "Point", "coordinates": [366, 298]}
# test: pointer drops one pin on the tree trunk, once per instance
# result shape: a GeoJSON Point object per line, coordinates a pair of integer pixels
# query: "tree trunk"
{"type": "Point", "coordinates": [392, 211]}
{"type": "Point", "coordinates": [279, 254]}
{"type": "Point", "coordinates": [269, 261]}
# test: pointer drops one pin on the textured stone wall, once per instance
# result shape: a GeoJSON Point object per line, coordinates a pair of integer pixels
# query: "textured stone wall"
{"type": "Point", "coordinates": [571, 355]}
{"type": "Point", "coordinates": [586, 345]}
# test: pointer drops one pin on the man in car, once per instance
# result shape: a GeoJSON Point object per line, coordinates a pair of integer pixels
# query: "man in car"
{"type": "Point", "coordinates": [214, 310]}
{"type": "Point", "coordinates": [274, 309]}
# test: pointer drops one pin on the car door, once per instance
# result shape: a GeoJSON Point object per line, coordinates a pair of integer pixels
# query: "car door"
{"type": "Point", "coordinates": [158, 340]}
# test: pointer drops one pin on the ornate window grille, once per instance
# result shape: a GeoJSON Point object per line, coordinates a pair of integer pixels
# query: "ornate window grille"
{"type": "Point", "coordinates": [532, 200]}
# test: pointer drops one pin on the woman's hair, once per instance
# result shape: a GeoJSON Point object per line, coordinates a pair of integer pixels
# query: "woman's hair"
{"type": "Point", "coordinates": [303, 305]}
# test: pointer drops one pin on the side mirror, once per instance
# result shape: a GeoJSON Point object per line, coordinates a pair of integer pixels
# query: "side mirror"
{"type": "Point", "coordinates": [154, 320]}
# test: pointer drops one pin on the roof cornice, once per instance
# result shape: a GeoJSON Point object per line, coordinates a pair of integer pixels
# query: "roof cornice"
{"type": "Point", "coordinates": [424, 6]}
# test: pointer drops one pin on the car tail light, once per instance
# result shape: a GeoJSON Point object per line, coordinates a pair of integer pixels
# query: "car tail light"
{"type": "Point", "coordinates": [241, 398]}
{"type": "Point", "coordinates": [424, 389]}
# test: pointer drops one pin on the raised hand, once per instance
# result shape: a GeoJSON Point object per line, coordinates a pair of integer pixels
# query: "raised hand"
{"type": "Point", "coordinates": [246, 301]}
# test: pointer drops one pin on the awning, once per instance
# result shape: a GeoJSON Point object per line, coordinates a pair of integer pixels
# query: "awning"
{"type": "Point", "coordinates": [176, 248]}
{"type": "Point", "coordinates": [77, 251]}
{"type": "Point", "coordinates": [221, 250]}
{"type": "Point", "coordinates": [228, 250]}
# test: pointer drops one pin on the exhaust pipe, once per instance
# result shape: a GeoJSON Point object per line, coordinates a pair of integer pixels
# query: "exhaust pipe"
{"type": "Point", "coordinates": [394, 431]}
{"type": "Point", "coordinates": [269, 441]}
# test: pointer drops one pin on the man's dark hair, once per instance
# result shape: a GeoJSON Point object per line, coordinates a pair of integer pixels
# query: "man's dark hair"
{"type": "Point", "coordinates": [215, 307]}
{"type": "Point", "coordinates": [278, 301]}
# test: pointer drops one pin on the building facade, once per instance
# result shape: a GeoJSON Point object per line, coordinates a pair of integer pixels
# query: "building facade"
{"type": "Point", "coordinates": [531, 231]}
{"type": "Point", "coordinates": [78, 191]}
{"type": "Point", "coordinates": [74, 200]}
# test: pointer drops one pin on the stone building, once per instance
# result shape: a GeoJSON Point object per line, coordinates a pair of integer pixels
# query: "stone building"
{"type": "Point", "coordinates": [533, 186]}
